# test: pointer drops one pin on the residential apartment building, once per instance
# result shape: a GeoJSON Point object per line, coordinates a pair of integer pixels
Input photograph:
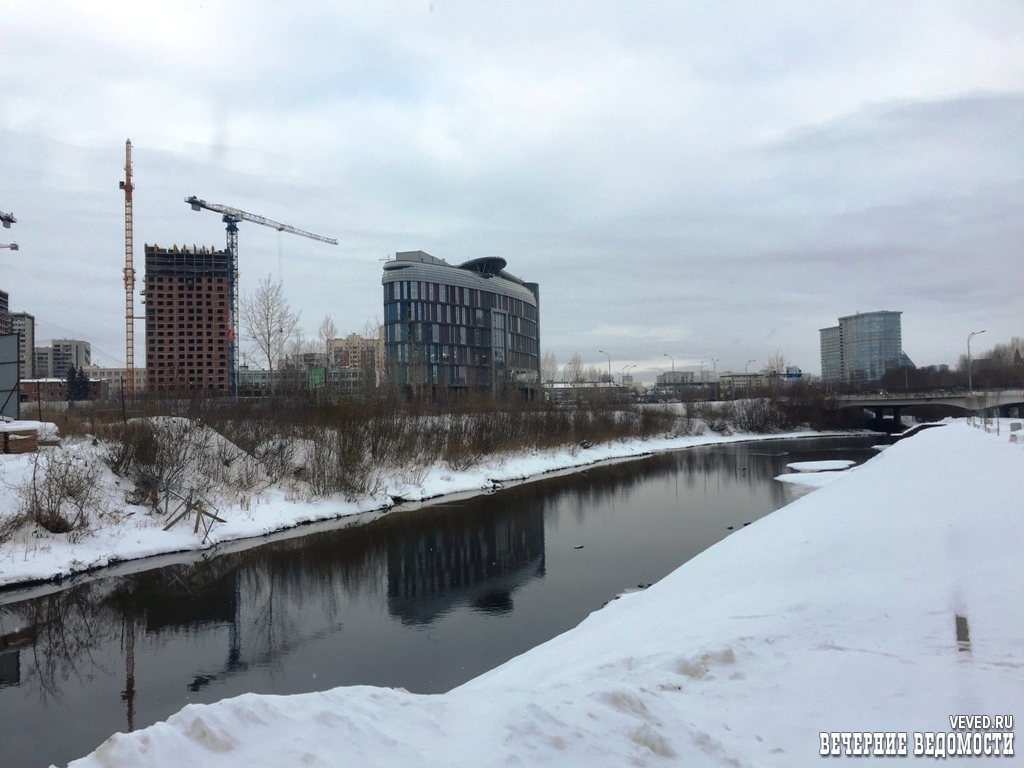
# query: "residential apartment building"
{"type": "Point", "coordinates": [676, 379]}
{"type": "Point", "coordinates": [5, 318]}
{"type": "Point", "coordinates": [114, 379]}
{"type": "Point", "coordinates": [353, 351]}
{"type": "Point", "coordinates": [25, 324]}
{"type": "Point", "coordinates": [357, 353]}
{"type": "Point", "coordinates": [52, 362]}
{"type": "Point", "coordinates": [471, 327]}
{"type": "Point", "coordinates": [189, 336]}
{"type": "Point", "coordinates": [862, 347]}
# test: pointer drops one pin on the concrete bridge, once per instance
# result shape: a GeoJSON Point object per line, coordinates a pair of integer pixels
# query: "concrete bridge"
{"type": "Point", "coordinates": [894, 402]}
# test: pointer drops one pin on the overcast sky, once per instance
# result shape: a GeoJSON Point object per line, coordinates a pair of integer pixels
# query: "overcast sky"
{"type": "Point", "coordinates": [709, 181]}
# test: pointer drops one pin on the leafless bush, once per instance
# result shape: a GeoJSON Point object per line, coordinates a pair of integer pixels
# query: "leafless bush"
{"type": "Point", "coordinates": [759, 415]}
{"type": "Point", "coordinates": [338, 463]}
{"type": "Point", "coordinates": [10, 525]}
{"type": "Point", "coordinates": [62, 493]}
{"type": "Point", "coordinates": [460, 449]}
{"type": "Point", "coordinates": [687, 423]}
{"type": "Point", "coordinates": [717, 416]}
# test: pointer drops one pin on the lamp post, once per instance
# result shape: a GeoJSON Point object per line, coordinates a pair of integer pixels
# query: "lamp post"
{"type": "Point", "coordinates": [610, 380]}
{"type": "Point", "coordinates": [970, 387]}
{"type": "Point", "coordinates": [622, 373]}
{"type": "Point", "coordinates": [666, 354]}
{"type": "Point", "coordinates": [746, 377]}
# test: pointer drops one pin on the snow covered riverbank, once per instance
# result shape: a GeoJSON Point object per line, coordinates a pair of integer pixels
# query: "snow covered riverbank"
{"type": "Point", "coordinates": [121, 532]}
{"type": "Point", "coordinates": [889, 601]}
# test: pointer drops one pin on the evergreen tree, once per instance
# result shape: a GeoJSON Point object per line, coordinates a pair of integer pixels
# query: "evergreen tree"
{"type": "Point", "coordinates": [71, 384]}
{"type": "Point", "coordinates": [82, 384]}
{"type": "Point", "coordinates": [77, 384]}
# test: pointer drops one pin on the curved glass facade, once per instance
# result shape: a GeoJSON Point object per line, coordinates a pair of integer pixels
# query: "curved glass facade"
{"type": "Point", "coordinates": [468, 327]}
{"type": "Point", "coordinates": [862, 347]}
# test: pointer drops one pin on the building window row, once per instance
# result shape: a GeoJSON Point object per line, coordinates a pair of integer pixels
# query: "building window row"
{"type": "Point", "coordinates": [457, 296]}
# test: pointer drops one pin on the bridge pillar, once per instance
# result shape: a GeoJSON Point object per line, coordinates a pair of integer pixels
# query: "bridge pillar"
{"type": "Point", "coordinates": [879, 419]}
{"type": "Point", "coordinates": [880, 422]}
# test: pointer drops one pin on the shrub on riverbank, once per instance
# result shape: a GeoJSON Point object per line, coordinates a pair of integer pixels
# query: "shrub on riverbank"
{"type": "Point", "coordinates": [315, 449]}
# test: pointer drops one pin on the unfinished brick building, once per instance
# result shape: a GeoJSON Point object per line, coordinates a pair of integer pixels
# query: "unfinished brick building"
{"type": "Point", "coordinates": [188, 320]}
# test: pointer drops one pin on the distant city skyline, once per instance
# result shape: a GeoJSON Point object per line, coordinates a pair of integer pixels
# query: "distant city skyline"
{"type": "Point", "coordinates": [705, 180]}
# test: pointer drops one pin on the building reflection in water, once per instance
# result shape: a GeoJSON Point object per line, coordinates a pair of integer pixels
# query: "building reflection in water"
{"type": "Point", "coordinates": [11, 646]}
{"type": "Point", "coordinates": [465, 557]}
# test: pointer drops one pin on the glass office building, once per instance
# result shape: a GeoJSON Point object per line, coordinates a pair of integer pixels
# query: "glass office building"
{"type": "Point", "coordinates": [472, 327]}
{"type": "Point", "coordinates": [862, 347]}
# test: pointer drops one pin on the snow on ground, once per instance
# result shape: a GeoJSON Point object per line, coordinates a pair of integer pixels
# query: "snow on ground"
{"type": "Point", "coordinates": [125, 532]}
{"type": "Point", "coordinates": [889, 601]}
{"type": "Point", "coordinates": [820, 466]}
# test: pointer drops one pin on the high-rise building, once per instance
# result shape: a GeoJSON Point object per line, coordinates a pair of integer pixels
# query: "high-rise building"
{"type": "Point", "coordinates": [25, 324]}
{"type": "Point", "coordinates": [67, 353]}
{"type": "Point", "coordinates": [862, 347]}
{"type": "Point", "coordinates": [43, 359]}
{"type": "Point", "coordinates": [467, 327]}
{"type": "Point", "coordinates": [5, 318]}
{"type": "Point", "coordinates": [188, 320]}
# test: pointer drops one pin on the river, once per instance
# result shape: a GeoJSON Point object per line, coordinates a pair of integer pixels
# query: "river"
{"type": "Point", "coordinates": [422, 599]}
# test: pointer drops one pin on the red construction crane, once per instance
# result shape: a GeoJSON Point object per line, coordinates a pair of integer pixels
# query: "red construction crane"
{"type": "Point", "coordinates": [231, 217]}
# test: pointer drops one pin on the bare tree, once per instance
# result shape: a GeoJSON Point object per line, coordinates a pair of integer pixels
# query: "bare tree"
{"type": "Point", "coordinates": [375, 370]}
{"type": "Point", "coordinates": [298, 347]}
{"type": "Point", "coordinates": [574, 368]}
{"type": "Point", "coordinates": [548, 367]}
{"type": "Point", "coordinates": [775, 368]}
{"type": "Point", "coordinates": [327, 332]}
{"type": "Point", "coordinates": [269, 322]}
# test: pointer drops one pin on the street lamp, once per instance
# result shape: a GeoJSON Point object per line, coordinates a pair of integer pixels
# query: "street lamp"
{"type": "Point", "coordinates": [622, 373]}
{"type": "Point", "coordinates": [970, 387]}
{"type": "Point", "coordinates": [601, 351]}
{"type": "Point", "coordinates": [746, 377]}
{"type": "Point", "coordinates": [673, 361]}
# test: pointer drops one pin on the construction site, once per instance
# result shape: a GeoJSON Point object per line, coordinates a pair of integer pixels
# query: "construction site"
{"type": "Point", "coordinates": [191, 312]}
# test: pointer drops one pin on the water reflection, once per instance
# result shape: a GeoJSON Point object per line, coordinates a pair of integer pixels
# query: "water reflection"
{"type": "Point", "coordinates": [422, 599]}
{"type": "Point", "coordinates": [436, 561]}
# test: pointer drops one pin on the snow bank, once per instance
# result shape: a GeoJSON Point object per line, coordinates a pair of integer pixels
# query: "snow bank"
{"type": "Point", "coordinates": [837, 613]}
{"type": "Point", "coordinates": [131, 532]}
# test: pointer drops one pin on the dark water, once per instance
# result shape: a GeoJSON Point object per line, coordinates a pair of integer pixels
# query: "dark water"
{"type": "Point", "coordinates": [422, 599]}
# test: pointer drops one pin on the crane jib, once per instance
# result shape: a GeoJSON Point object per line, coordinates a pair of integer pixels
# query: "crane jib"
{"type": "Point", "coordinates": [236, 214]}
